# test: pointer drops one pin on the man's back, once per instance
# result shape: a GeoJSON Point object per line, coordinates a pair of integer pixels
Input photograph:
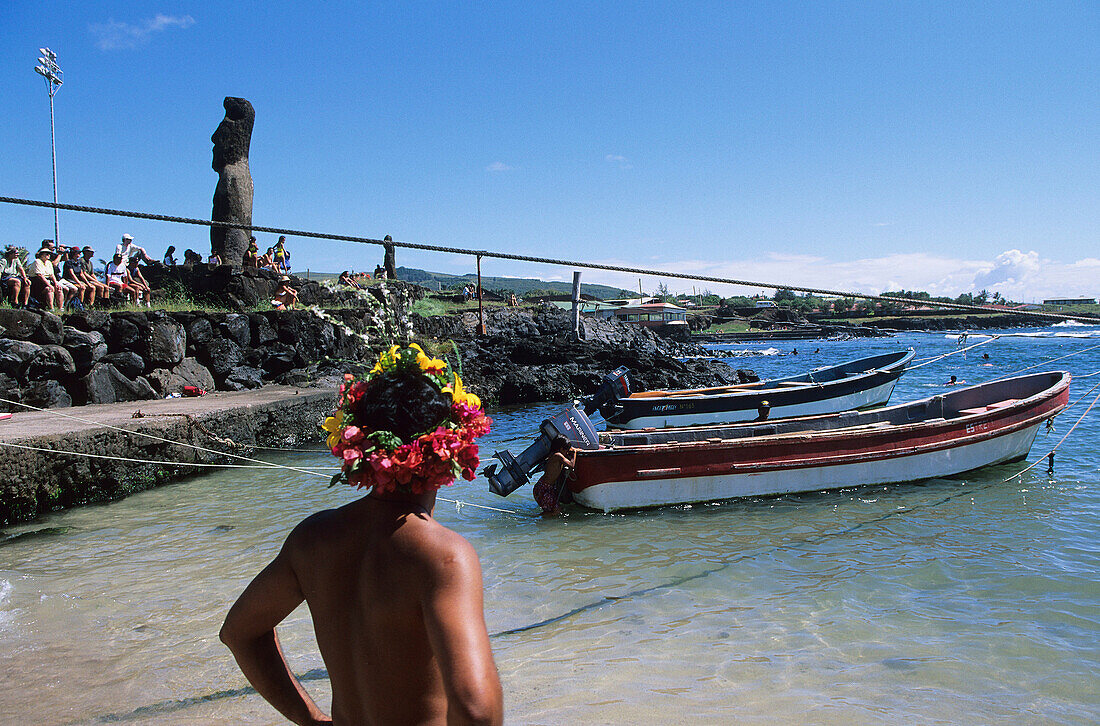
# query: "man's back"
{"type": "Point", "coordinates": [396, 602]}
{"type": "Point", "coordinates": [395, 597]}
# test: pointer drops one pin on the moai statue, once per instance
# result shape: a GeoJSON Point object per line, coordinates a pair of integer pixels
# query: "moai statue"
{"type": "Point", "coordinates": [233, 195]}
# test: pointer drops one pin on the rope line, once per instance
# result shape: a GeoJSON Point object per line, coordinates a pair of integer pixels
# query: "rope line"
{"type": "Point", "coordinates": [509, 256]}
{"type": "Point", "coordinates": [1061, 440]}
{"type": "Point", "coordinates": [137, 461]}
{"type": "Point", "coordinates": [954, 352]}
{"type": "Point", "coordinates": [264, 464]}
{"type": "Point", "coordinates": [1054, 360]}
{"type": "Point", "coordinates": [162, 439]}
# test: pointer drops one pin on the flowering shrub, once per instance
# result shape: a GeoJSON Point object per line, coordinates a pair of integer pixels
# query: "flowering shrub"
{"type": "Point", "coordinates": [380, 459]}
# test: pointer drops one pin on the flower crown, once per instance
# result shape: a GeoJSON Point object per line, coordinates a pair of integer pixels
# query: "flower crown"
{"type": "Point", "coordinates": [380, 459]}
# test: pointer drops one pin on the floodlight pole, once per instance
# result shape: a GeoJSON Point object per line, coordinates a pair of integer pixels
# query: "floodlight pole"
{"type": "Point", "coordinates": [47, 68]}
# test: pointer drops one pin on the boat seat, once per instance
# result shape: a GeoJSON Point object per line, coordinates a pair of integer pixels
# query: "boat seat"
{"type": "Point", "coordinates": [991, 407]}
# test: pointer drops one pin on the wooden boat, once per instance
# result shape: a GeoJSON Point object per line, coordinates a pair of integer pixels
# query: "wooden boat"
{"type": "Point", "coordinates": [857, 384]}
{"type": "Point", "coordinates": [951, 433]}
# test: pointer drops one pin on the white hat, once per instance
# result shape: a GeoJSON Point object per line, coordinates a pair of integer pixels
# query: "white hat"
{"type": "Point", "coordinates": [127, 237]}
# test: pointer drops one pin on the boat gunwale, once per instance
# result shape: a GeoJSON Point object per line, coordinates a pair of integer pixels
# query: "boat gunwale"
{"type": "Point", "coordinates": [932, 425]}
{"type": "Point", "coordinates": [793, 383]}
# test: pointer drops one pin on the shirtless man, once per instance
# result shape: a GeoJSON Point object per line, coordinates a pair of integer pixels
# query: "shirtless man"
{"type": "Point", "coordinates": [547, 492]}
{"type": "Point", "coordinates": [395, 597]}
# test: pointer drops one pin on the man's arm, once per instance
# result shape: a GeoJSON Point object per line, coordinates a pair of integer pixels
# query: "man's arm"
{"type": "Point", "coordinates": [455, 620]}
{"type": "Point", "coordinates": [249, 631]}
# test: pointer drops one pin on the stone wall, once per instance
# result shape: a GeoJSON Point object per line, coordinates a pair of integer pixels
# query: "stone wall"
{"type": "Point", "coordinates": [35, 482]}
{"type": "Point", "coordinates": [98, 357]}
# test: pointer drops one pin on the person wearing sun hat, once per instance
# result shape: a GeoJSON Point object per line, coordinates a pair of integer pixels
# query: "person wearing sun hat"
{"type": "Point", "coordinates": [395, 597]}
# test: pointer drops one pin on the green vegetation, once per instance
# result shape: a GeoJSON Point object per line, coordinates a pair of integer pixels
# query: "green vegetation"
{"type": "Point", "coordinates": [730, 326]}
{"type": "Point", "coordinates": [521, 286]}
{"type": "Point", "coordinates": [429, 307]}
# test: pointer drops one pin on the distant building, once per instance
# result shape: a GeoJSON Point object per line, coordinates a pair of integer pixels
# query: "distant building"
{"type": "Point", "coordinates": [1070, 301]}
{"type": "Point", "coordinates": [653, 315]}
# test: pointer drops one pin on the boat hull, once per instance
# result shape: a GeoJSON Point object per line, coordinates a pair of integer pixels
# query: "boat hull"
{"type": "Point", "coordinates": [941, 436]}
{"type": "Point", "coordinates": [783, 404]}
{"type": "Point", "coordinates": [664, 491]}
{"type": "Point", "coordinates": [859, 384]}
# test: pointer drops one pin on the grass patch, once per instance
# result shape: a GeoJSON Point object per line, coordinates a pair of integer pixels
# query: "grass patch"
{"type": "Point", "coordinates": [429, 307]}
{"type": "Point", "coordinates": [732, 326]}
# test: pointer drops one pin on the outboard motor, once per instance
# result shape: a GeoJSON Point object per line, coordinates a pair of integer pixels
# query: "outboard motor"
{"type": "Point", "coordinates": [615, 385]}
{"type": "Point", "coordinates": [515, 471]}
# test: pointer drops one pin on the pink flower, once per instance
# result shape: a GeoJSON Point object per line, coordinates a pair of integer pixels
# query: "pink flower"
{"type": "Point", "coordinates": [352, 434]}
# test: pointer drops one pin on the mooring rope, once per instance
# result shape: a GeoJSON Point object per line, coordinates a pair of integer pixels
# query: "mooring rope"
{"type": "Point", "coordinates": [954, 352]}
{"type": "Point", "coordinates": [136, 461]}
{"type": "Point", "coordinates": [162, 439]}
{"type": "Point", "coordinates": [519, 258]}
{"type": "Point", "coordinates": [1061, 440]}
{"type": "Point", "coordinates": [265, 464]}
{"type": "Point", "coordinates": [1055, 360]}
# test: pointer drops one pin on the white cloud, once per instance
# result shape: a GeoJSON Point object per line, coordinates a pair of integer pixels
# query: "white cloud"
{"type": "Point", "coordinates": [1023, 276]}
{"type": "Point", "coordinates": [114, 35]}
{"type": "Point", "coordinates": [498, 166]}
{"type": "Point", "coordinates": [620, 160]}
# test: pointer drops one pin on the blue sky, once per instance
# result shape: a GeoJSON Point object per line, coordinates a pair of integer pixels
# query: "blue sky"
{"type": "Point", "coordinates": [864, 146]}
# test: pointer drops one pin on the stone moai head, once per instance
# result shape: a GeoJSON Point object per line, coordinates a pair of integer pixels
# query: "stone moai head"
{"type": "Point", "coordinates": [234, 134]}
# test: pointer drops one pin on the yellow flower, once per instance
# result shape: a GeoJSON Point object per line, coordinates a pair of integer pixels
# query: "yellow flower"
{"type": "Point", "coordinates": [416, 347]}
{"type": "Point", "coordinates": [333, 424]}
{"type": "Point", "coordinates": [460, 395]}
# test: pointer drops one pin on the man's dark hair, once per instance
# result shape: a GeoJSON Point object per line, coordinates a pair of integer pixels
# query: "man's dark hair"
{"type": "Point", "coordinates": [560, 443]}
{"type": "Point", "coordinates": [407, 405]}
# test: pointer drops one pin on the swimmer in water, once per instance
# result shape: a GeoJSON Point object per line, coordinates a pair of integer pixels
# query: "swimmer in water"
{"type": "Point", "coordinates": [954, 382]}
{"type": "Point", "coordinates": [396, 598]}
{"type": "Point", "coordinates": [560, 464]}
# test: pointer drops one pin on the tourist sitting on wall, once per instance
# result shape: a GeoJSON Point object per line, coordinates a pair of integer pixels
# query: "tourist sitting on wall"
{"type": "Point", "coordinates": [285, 295]}
{"type": "Point", "coordinates": [379, 272]}
{"type": "Point", "coordinates": [214, 259]}
{"type": "Point", "coordinates": [45, 291]}
{"type": "Point", "coordinates": [252, 254]}
{"type": "Point", "coordinates": [169, 258]}
{"type": "Point", "coordinates": [70, 272]}
{"type": "Point", "coordinates": [281, 257]}
{"type": "Point", "coordinates": [14, 278]}
{"type": "Point", "coordinates": [87, 274]}
{"type": "Point", "coordinates": [191, 258]}
{"type": "Point", "coordinates": [64, 291]}
{"type": "Point", "coordinates": [117, 277]}
{"type": "Point", "coordinates": [69, 287]}
{"type": "Point", "coordinates": [138, 282]}
{"type": "Point", "coordinates": [266, 261]}
{"type": "Point", "coordinates": [347, 280]}
{"type": "Point", "coordinates": [128, 249]}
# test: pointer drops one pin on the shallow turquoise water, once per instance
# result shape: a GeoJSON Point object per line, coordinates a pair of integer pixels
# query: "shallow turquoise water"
{"type": "Point", "coordinates": [962, 600]}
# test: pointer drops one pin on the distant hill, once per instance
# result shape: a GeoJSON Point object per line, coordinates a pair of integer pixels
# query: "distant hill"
{"type": "Point", "coordinates": [519, 285]}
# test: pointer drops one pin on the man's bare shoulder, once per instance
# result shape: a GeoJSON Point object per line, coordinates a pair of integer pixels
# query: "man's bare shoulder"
{"type": "Point", "coordinates": [313, 530]}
